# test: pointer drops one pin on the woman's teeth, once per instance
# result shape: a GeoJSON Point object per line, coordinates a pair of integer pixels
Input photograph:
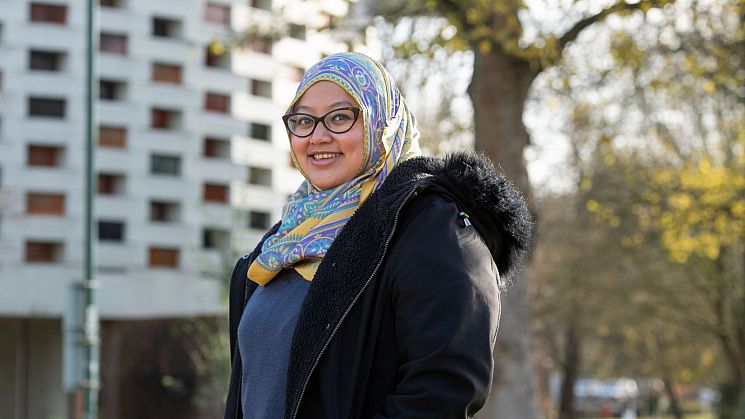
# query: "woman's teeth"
{"type": "Point", "coordinates": [323, 156]}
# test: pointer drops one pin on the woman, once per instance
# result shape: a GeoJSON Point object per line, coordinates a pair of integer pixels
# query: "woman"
{"type": "Point", "coordinates": [377, 294]}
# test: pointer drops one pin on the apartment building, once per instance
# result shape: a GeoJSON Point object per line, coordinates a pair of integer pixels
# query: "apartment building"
{"type": "Point", "coordinates": [191, 161]}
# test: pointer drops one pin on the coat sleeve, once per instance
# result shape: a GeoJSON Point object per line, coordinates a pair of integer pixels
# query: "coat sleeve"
{"type": "Point", "coordinates": [447, 307]}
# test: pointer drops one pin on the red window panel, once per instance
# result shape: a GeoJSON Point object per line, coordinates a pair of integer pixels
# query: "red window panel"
{"type": "Point", "coordinates": [216, 193]}
{"type": "Point", "coordinates": [113, 43]}
{"type": "Point", "coordinates": [49, 13]}
{"type": "Point", "coordinates": [217, 13]}
{"type": "Point", "coordinates": [166, 73]}
{"type": "Point", "coordinates": [217, 102]}
{"type": "Point", "coordinates": [114, 137]}
{"type": "Point", "coordinates": [40, 155]}
{"type": "Point", "coordinates": [162, 118]}
{"type": "Point", "coordinates": [163, 257]}
{"type": "Point", "coordinates": [45, 204]}
{"type": "Point", "coordinates": [43, 251]}
{"type": "Point", "coordinates": [110, 184]}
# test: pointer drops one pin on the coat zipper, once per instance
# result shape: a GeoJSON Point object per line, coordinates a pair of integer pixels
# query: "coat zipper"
{"type": "Point", "coordinates": [349, 308]}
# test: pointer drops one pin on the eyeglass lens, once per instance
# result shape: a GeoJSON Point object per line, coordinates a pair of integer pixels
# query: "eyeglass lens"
{"type": "Point", "coordinates": [337, 121]}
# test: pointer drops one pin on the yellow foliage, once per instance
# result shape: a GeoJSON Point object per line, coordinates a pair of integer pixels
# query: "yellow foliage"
{"type": "Point", "coordinates": [707, 358]}
{"type": "Point", "coordinates": [704, 208]}
{"type": "Point", "coordinates": [738, 209]}
{"type": "Point", "coordinates": [485, 46]}
{"type": "Point", "coordinates": [217, 48]}
{"type": "Point", "coordinates": [685, 375]}
{"type": "Point", "coordinates": [681, 201]}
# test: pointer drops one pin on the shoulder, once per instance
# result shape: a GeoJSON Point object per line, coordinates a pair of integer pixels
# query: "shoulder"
{"type": "Point", "coordinates": [434, 231]}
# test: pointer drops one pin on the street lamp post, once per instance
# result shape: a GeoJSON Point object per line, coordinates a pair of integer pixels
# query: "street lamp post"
{"type": "Point", "coordinates": [89, 343]}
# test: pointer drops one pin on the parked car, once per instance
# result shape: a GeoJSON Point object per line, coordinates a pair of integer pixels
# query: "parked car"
{"type": "Point", "coordinates": [605, 398]}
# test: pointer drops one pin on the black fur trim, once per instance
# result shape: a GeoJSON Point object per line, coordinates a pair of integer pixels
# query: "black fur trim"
{"type": "Point", "coordinates": [497, 204]}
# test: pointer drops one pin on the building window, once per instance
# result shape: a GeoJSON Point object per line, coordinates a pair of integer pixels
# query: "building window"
{"type": "Point", "coordinates": [215, 193]}
{"type": "Point", "coordinates": [163, 257]}
{"type": "Point", "coordinates": [215, 60]}
{"type": "Point", "coordinates": [166, 73]}
{"type": "Point", "coordinates": [167, 212]}
{"type": "Point", "coordinates": [215, 238]}
{"type": "Point", "coordinates": [217, 102]}
{"type": "Point", "coordinates": [43, 252]}
{"type": "Point", "coordinates": [263, 46]}
{"type": "Point", "coordinates": [262, 4]}
{"type": "Point", "coordinates": [111, 231]}
{"type": "Point", "coordinates": [165, 118]}
{"type": "Point", "coordinates": [44, 155]}
{"type": "Point", "coordinates": [48, 13]}
{"type": "Point", "coordinates": [112, 90]}
{"type": "Point", "coordinates": [46, 60]}
{"type": "Point", "coordinates": [110, 136]}
{"type": "Point", "coordinates": [112, 3]}
{"type": "Point", "coordinates": [216, 147]}
{"type": "Point", "coordinates": [46, 107]}
{"type": "Point", "coordinates": [261, 88]}
{"type": "Point", "coordinates": [166, 28]}
{"type": "Point", "coordinates": [297, 31]}
{"type": "Point", "coordinates": [165, 165]}
{"type": "Point", "coordinates": [259, 131]}
{"type": "Point", "coordinates": [217, 13]}
{"type": "Point", "coordinates": [259, 220]}
{"type": "Point", "coordinates": [110, 184]}
{"type": "Point", "coordinates": [45, 203]}
{"type": "Point", "coordinates": [259, 176]}
{"type": "Point", "coordinates": [113, 43]}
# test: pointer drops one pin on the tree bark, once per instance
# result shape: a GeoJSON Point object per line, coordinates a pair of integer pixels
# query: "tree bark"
{"type": "Point", "coordinates": [571, 365]}
{"type": "Point", "coordinates": [674, 405]}
{"type": "Point", "coordinates": [498, 90]}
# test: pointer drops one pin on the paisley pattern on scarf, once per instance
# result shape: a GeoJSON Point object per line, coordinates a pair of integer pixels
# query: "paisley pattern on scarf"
{"type": "Point", "coordinates": [312, 218]}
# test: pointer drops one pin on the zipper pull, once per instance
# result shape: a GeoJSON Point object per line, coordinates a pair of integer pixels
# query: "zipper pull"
{"type": "Point", "coordinates": [465, 217]}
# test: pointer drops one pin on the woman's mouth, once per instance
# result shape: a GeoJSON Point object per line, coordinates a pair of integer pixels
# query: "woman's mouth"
{"type": "Point", "coordinates": [324, 156]}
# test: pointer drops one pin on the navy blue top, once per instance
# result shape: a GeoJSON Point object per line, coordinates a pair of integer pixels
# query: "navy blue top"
{"type": "Point", "coordinates": [264, 337]}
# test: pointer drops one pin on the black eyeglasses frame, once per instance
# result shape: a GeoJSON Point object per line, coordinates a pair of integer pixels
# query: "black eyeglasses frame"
{"type": "Point", "coordinates": [355, 110]}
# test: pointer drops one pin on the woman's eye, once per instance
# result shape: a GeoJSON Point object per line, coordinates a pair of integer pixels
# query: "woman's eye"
{"type": "Point", "coordinates": [304, 120]}
{"type": "Point", "coordinates": [340, 117]}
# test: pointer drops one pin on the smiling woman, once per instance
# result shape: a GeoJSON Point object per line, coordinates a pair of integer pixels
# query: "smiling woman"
{"type": "Point", "coordinates": [378, 293]}
{"type": "Point", "coordinates": [331, 152]}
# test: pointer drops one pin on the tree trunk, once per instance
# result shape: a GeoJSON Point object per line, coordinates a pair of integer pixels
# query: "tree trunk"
{"type": "Point", "coordinates": [674, 405]}
{"type": "Point", "coordinates": [498, 90]}
{"type": "Point", "coordinates": [571, 365]}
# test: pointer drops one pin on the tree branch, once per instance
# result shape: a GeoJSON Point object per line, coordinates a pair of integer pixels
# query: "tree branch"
{"type": "Point", "coordinates": [578, 27]}
{"type": "Point", "coordinates": [449, 7]}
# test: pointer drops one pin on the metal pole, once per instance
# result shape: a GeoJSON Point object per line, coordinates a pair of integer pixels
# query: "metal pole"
{"type": "Point", "coordinates": [90, 341]}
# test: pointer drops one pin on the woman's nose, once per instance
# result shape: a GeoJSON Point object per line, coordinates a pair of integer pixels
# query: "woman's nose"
{"type": "Point", "coordinates": [320, 134]}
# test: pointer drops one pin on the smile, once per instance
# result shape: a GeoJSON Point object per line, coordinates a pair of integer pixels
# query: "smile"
{"type": "Point", "coordinates": [324, 156]}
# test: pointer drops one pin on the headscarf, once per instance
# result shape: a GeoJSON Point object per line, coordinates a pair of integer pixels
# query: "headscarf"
{"type": "Point", "coordinates": [313, 218]}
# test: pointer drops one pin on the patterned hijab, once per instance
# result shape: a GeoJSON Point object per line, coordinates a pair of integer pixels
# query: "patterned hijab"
{"type": "Point", "coordinates": [312, 218]}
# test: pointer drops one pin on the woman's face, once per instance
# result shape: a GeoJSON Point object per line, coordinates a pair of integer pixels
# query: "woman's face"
{"type": "Point", "coordinates": [328, 159]}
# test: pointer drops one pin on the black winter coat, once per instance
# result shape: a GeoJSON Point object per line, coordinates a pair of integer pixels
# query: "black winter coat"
{"type": "Point", "coordinates": [401, 317]}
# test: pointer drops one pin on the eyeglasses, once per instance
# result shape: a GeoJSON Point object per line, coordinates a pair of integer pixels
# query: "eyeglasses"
{"type": "Point", "coordinates": [337, 121]}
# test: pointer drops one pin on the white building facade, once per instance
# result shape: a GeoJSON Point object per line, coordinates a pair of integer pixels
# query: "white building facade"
{"type": "Point", "coordinates": [192, 160]}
